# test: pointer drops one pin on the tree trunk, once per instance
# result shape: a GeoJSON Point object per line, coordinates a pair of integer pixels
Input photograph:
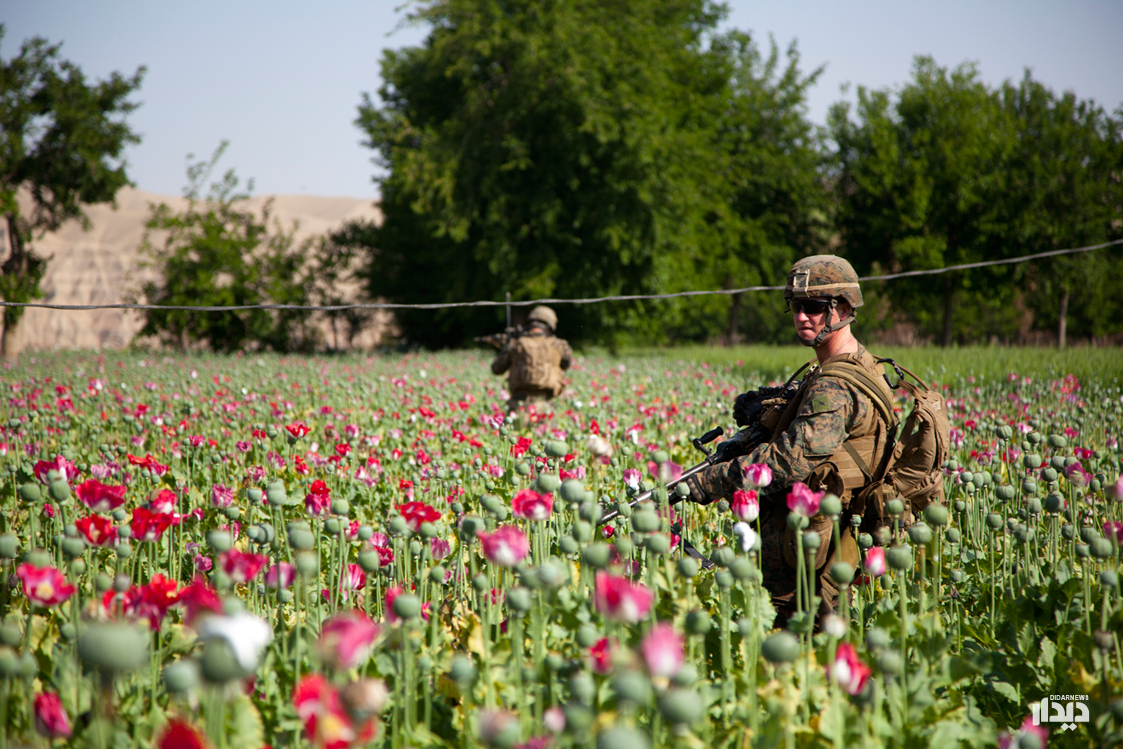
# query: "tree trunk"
{"type": "Point", "coordinates": [1063, 325]}
{"type": "Point", "coordinates": [732, 336]}
{"type": "Point", "coordinates": [949, 308]}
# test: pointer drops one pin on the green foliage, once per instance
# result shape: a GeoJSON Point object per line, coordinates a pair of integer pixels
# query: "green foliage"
{"type": "Point", "coordinates": [61, 145]}
{"type": "Point", "coordinates": [581, 149]}
{"type": "Point", "coordinates": [214, 254]}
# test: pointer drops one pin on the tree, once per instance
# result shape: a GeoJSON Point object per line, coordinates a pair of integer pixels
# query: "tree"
{"type": "Point", "coordinates": [547, 149]}
{"type": "Point", "coordinates": [215, 254]}
{"type": "Point", "coordinates": [921, 184]}
{"type": "Point", "coordinates": [61, 145]}
{"type": "Point", "coordinates": [1065, 189]}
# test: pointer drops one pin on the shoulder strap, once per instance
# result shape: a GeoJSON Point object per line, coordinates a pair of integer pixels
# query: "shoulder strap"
{"type": "Point", "coordinates": [857, 376]}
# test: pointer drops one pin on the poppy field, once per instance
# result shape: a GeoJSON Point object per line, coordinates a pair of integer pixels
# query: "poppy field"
{"type": "Point", "coordinates": [259, 551]}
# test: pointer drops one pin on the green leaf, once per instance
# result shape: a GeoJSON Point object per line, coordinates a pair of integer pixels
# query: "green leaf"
{"type": "Point", "coordinates": [243, 723]}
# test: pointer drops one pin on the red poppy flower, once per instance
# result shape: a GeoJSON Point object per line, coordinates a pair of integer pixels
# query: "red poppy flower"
{"type": "Point", "coordinates": [97, 530]}
{"type": "Point", "coordinates": [416, 513]}
{"type": "Point", "coordinates": [51, 719]}
{"type": "Point", "coordinates": [240, 566]}
{"type": "Point", "coordinates": [149, 526]}
{"type": "Point", "coordinates": [298, 429]}
{"type": "Point", "coordinates": [98, 497]}
{"type": "Point", "coordinates": [198, 597]}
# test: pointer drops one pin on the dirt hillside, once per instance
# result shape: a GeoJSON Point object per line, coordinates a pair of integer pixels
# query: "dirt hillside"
{"type": "Point", "coordinates": [100, 266]}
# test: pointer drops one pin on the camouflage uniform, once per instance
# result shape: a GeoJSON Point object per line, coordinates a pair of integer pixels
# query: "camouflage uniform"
{"type": "Point", "coordinates": [825, 425]}
{"type": "Point", "coordinates": [534, 361]}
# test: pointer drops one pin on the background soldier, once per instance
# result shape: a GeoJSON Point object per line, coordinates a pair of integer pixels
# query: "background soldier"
{"type": "Point", "coordinates": [832, 435]}
{"type": "Point", "coordinates": [534, 360]}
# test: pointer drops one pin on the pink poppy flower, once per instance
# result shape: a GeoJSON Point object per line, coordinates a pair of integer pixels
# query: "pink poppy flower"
{"type": "Point", "coordinates": [197, 597]}
{"type": "Point", "coordinates": [98, 497]}
{"type": "Point", "coordinates": [162, 501]}
{"type": "Point", "coordinates": [847, 670]}
{"type": "Point", "coordinates": [505, 546]}
{"type": "Point", "coordinates": [318, 500]}
{"type": "Point", "coordinates": [1013, 741]}
{"type": "Point", "coordinates": [327, 724]}
{"type": "Point", "coordinates": [51, 719]}
{"type": "Point", "coordinates": [65, 468]}
{"type": "Point", "coordinates": [222, 496]}
{"type": "Point", "coordinates": [620, 599]}
{"type": "Point", "coordinates": [280, 576]}
{"type": "Point", "coordinates": [240, 566]}
{"type": "Point", "coordinates": [662, 650]}
{"type": "Point", "coordinates": [745, 505]}
{"type": "Point", "coordinates": [804, 502]}
{"type": "Point", "coordinates": [351, 578]}
{"type": "Point", "coordinates": [44, 586]}
{"type": "Point", "coordinates": [345, 639]}
{"type": "Point", "coordinates": [1113, 530]}
{"type": "Point", "coordinates": [530, 505]}
{"type": "Point", "coordinates": [439, 549]}
{"type": "Point", "coordinates": [757, 475]}
{"type": "Point", "coordinates": [875, 561]}
{"type": "Point", "coordinates": [600, 656]}
{"type": "Point", "coordinates": [632, 477]}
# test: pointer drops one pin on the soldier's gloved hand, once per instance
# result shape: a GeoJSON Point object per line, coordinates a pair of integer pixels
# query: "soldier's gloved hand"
{"type": "Point", "coordinates": [707, 485]}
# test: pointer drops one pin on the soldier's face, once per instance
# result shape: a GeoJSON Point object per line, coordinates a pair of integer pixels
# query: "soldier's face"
{"type": "Point", "coordinates": [810, 316]}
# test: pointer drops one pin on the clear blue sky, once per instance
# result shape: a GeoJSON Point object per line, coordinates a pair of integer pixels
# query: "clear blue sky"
{"type": "Point", "coordinates": [281, 80]}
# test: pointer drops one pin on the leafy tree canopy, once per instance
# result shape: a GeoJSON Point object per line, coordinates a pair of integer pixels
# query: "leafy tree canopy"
{"type": "Point", "coordinates": [61, 141]}
{"type": "Point", "coordinates": [571, 149]}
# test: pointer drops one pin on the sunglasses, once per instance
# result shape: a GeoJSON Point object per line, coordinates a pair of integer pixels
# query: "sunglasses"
{"type": "Point", "coordinates": [809, 307]}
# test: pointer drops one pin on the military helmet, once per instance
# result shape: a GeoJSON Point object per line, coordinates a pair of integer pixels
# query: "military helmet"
{"type": "Point", "coordinates": [544, 315]}
{"type": "Point", "coordinates": [824, 277]}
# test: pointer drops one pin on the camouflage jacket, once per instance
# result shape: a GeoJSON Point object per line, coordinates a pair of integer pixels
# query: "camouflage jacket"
{"type": "Point", "coordinates": [825, 415]}
{"type": "Point", "coordinates": [534, 363]}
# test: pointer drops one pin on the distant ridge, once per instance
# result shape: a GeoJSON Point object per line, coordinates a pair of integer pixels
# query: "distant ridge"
{"type": "Point", "coordinates": [100, 266]}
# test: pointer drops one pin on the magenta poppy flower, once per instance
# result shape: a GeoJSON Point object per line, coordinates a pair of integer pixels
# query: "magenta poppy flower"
{"type": "Point", "coordinates": [745, 505]}
{"type": "Point", "coordinates": [162, 501]}
{"type": "Point", "coordinates": [149, 526]}
{"type": "Point", "coordinates": [51, 719]}
{"type": "Point", "coordinates": [98, 497]}
{"type": "Point", "coordinates": [1113, 530]}
{"type": "Point", "coordinates": [530, 505]}
{"type": "Point", "coordinates": [222, 496]}
{"type": "Point", "coordinates": [875, 561]}
{"type": "Point", "coordinates": [662, 650]}
{"type": "Point", "coordinates": [351, 578]}
{"type": "Point", "coordinates": [66, 469]}
{"type": "Point", "coordinates": [600, 656]}
{"type": "Point", "coordinates": [804, 502]}
{"type": "Point", "coordinates": [757, 475]}
{"type": "Point", "coordinates": [847, 670]}
{"type": "Point", "coordinates": [280, 576]}
{"type": "Point", "coordinates": [345, 639]}
{"type": "Point", "coordinates": [44, 586]}
{"type": "Point", "coordinates": [620, 599]}
{"type": "Point", "coordinates": [505, 546]}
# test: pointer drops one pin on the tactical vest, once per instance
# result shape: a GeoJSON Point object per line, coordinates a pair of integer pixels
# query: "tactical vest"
{"type": "Point", "coordinates": [535, 366]}
{"type": "Point", "coordinates": [867, 448]}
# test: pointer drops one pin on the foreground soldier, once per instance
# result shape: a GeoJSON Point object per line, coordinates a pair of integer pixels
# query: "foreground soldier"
{"type": "Point", "coordinates": [534, 360]}
{"type": "Point", "coordinates": [831, 436]}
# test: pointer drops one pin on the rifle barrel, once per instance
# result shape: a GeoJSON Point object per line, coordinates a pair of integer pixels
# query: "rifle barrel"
{"type": "Point", "coordinates": [650, 492]}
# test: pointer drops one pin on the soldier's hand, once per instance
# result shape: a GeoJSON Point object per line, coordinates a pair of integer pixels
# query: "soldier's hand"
{"type": "Point", "coordinates": [747, 408]}
{"type": "Point", "coordinates": [706, 485]}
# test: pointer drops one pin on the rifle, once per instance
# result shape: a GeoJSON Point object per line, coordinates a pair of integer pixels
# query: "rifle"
{"type": "Point", "coordinates": [499, 340]}
{"type": "Point", "coordinates": [748, 410]}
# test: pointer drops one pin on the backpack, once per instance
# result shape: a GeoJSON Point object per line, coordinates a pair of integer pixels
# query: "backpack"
{"type": "Point", "coordinates": [536, 364]}
{"type": "Point", "coordinates": [913, 470]}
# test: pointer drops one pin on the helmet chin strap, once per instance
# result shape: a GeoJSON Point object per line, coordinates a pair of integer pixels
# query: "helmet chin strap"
{"type": "Point", "coordinates": [817, 341]}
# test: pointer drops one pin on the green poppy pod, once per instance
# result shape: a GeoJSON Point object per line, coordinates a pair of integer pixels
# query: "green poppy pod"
{"type": "Point", "coordinates": [811, 542]}
{"type": "Point", "coordinates": [687, 567]}
{"type": "Point", "coordinates": [658, 543]}
{"type": "Point", "coordinates": [10, 635]}
{"type": "Point", "coordinates": [583, 687]}
{"type": "Point", "coordinates": [112, 648]}
{"type": "Point", "coordinates": [1031, 461]}
{"type": "Point", "coordinates": [73, 547]}
{"type": "Point", "coordinates": [966, 476]}
{"type": "Point", "coordinates": [899, 557]}
{"type": "Point", "coordinates": [877, 639]}
{"type": "Point", "coordinates": [741, 568]}
{"type": "Point", "coordinates": [1101, 548]}
{"type": "Point", "coordinates": [30, 492]}
{"type": "Point", "coordinates": [723, 556]}
{"type": "Point", "coordinates": [697, 622]}
{"type": "Point", "coordinates": [582, 531]}
{"type": "Point", "coordinates": [1049, 475]}
{"type": "Point", "coordinates": [621, 737]}
{"type": "Point", "coordinates": [427, 530]}
{"type": "Point", "coordinates": [633, 686]}
{"type": "Point", "coordinates": [369, 561]}
{"type": "Point", "coordinates": [1005, 492]}
{"type": "Point", "coordinates": [1087, 533]}
{"type": "Point", "coordinates": [1023, 533]}
{"type": "Point", "coordinates": [59, 491]}
{"type": "Point", "coordinates": [407, 606]}
{"type": "Point", "coordinates": [624, 545]}
{"type": "Point", "coordinates": [682, 491]}
{"type": "Point", "coordinates": [645, 521]}
{"type": "Point", "coordinates": [681, 706]}
{"type": "Point", "coordinates": [1068, 531]}
{"type": "Point", "coordinates": [724, 579]}
{"type": "Point", "coordinates": [124, 550]}
{"type": "Point", "coordinates": [572, 491]}
{"type": "Point", "coordinates": [781, 647]}
{"type": "Point", "coordinates": [895, 507]}
{"type": "Point", "coordinates": [1083, 551]}
{"type": "Point", "coordinates": [522, 469]}
{"type": "Point", "coordinates": [1109, 579]}
{"type": "Point", "coordinates": [1033, 506]}
{"type": "Point", "coordinates": [398, 526]}
{"type": "Point", "coordinates": [951, 535]}
{"type": "Point", "coordinates": [181, 677]}
{"type": "Point", "coordinates": [920, 534]}
{"type": "Point", "coordinates": [960, 505]}
{"type": "Point", "coordinates": [958, 576]}
{"type": "Point", "coordinates": [587, 635]}
{"type": "Point", "coordinates": [1029, 487]}
{"type": "Point", "coordinates": [1057, 440]}
{"type": "Point", "coordinates": [1057, 463]}
{"type": "Point", "coordinates": [9, 546]}
{"type": "Point", "coordinates": [340, 507]}
{"type": "Point", "coordinates": [830, 506]}
{"type": "Point", "coordinates": [888, 662]}
{"type": "Point", "coordinates": [491, 503]}
{"type": "Point", "coordinates": [548, 482]}
{"type": "Point", "coordinates": [1054, 502]}
{"type": "Point", "coordinates": [519, 600]}
{"type": "Point", "coordinates": [275, 493]}
{"type": "Point", "coordinates": [556, 449]}
{"type": "Point", "coordinates": [470, 525]}
{"type": "Point", "coordinates": [797, 522]}
{"type": "Point", "coordinates": [578, 718]}
{"type": "Point", "coordinates": [842, 573]}
{"type": "Point", "coordinates": [299, 538]}
{"type": "Point", "coordinates": [597, 555]}
{"type": "Point", "coordinates": [936, 515]}
{"type": "Point", "coordinates": [437, 575]}
{"type": "Point", "coordinates": [994, 521]}
{"type": "Point", "coordinates": [568, 545]}
{"type": "Point", "coordinates": [220, 540]}
{"type": "Point", "coordinates": [463, 671]}
{"type": "Point", "coordinates": [307, 564]}
{"type": "Point", "coordinates": [660, 456]}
